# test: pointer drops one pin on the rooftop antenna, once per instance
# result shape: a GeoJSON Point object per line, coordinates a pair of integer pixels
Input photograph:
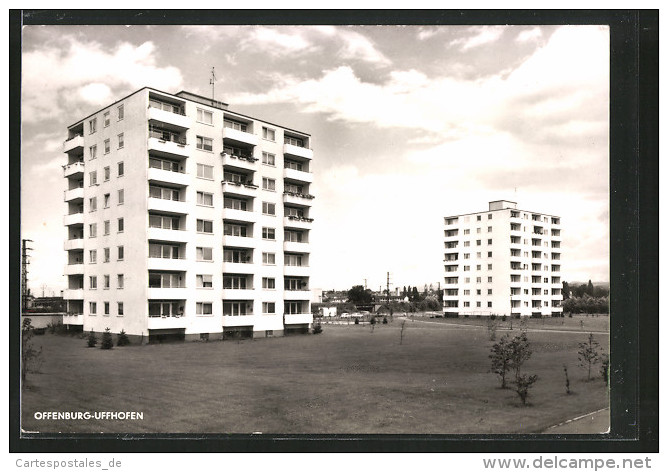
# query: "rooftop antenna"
{"type": "Point", "coordinates": [212, 82]}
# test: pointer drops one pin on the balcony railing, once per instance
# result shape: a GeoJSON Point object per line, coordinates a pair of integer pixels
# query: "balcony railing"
{"type": "Point", "coordinates": [300, 195]}
{"type": "Point", "coordinates": [299, 218]}
{"type": "Point", "coordinates": [241, 157]}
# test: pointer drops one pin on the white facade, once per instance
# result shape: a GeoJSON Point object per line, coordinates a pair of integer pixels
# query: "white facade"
{"type": "Point", "coordinates": [503, 261]}
{"type": "Point", "coordinates": [186, 218]}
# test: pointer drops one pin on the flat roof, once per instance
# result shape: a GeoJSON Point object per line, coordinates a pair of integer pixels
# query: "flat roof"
{"type": "Point", "coordinates": [187, 99]}
{"type": "Point", "coordinates": [502, 209]}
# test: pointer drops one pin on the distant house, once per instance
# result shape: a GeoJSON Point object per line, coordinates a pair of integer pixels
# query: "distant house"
{"type": "Point", "coordinates": [327, 311]}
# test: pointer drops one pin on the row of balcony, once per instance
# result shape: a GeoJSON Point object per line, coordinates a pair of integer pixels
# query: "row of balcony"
{"type": "Point", "coordinates": [228, 321]}
{"type": "Point", "coordinates": [179, 293]}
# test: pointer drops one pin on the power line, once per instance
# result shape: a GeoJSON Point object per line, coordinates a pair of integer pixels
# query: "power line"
{"type": "Point", "coordinates": [25, 293]}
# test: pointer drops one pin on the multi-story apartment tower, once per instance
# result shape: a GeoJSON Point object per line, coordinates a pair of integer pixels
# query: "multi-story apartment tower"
{"type": "Point", "coordinates": [185, 218]}
{"type": "Point", "coordinates": [503, 261]}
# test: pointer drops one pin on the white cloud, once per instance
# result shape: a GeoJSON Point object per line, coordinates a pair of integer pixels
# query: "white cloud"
{"type": "Point", "coordinates": [529, 35]}
{"type": "Point", "coordinates": [70, 73]}
{"type": "Point", "coordinates": [482, 35]}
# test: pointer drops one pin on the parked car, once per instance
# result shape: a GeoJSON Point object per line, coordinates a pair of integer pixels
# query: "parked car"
{"type": "Point", "coordinates": [345, 315]}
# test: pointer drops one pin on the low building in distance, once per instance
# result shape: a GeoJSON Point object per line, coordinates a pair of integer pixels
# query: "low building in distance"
{"type": "Point", "coordinates": [504, 261]}
{"type": "Point", "coordinates": [186, 219]}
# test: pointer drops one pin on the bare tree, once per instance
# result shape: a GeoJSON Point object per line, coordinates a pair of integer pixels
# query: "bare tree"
{"type": "Point", "coordinates": [30, 357]}
{"type": "Point", "coordinates": [588, 354]}
{"type": "Point", "coordinates": [401, 333]}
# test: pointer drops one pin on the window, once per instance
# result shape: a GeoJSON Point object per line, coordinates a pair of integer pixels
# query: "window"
{"type": "Point", "coordinates": [121, 196]}
{"type": "Point", "coordinates": [489, 253]}
{"type": "Point", "coordinates": [92, 230]}
{"type": "Point", "coordinates": [92, 282]}
{"type": "Point", "coordinates": [478, 292]}
{"type": "Point", "coordinates": [121, 112]}
{"type": "Point", "coordinates": [92, 308]}
{"type": "Point", "coordinates": [92, 256]}
{"type": "Point", "coordinates": [268, 208]}
{"type": "Point", "coordinates": [205, 226]}
{"type": "Point", "coordinates": [92, 204]}
{"type": "Point", "coordinates": [204, 171]}
{"type": "Point", "coordinates": [268, 184]}
{"type": "Point", "coordinates": [107, 146]}
{"type": "Point", "coordinates": [467, 268]}
{"type": "Point", "coordinates": [489, 304]}
{"type": "Point", "coordinates": [121, 225]}
{"type": "Point", "coordinates": [268, 283]}
{"type": "Point", "coordinates": [478, 217]}
{"type": "Point", "coordinates": [120, 280]}
{"type": "Point", "coordinates": [107, 199]}
{"type": "Point", "coordinates": [489, 266]}
{"type": "Point", "coordinates": [268, 258]}
{"type": "Point", "coordinates": [107, 225]}
{"type": "Point", "coordinates": [489, 216]}
{"type": "Point", "coordinates": [204, 198]}
{"type": "Point", "coordinates": [106, 282]}
{"type": "Point", "coordinates": [164, 251]}
{"type": "Point", "coordinates": [92, 126]}
{"type": "Point", "coordinates": [121, 253]}
{"type": "Point", "coordinates": [106, 308]}
{"type": "Point", "coordinates": [268, 308]}
{"type": "Point", "coordinates": [467, 255]}
{"type": "Point", "coordinates": [477, 230]}
{"type": "Point", "coordinates": [204, 308]}
{"type": "Point", "coordinates": [231, 229]}
{"type": "Point", "coordinates": [107, 254]}
{"type": "Point", "coordinates": [467, 243]}
{"type": "Point", "coordinates": [205, 144]}
{"type": "Point", "coordinates": [269, 233]}
{"type": "Point", "coordinates": [121, 169]}
{"type": "Point", "coordinates": [205, 254]}
{"type": "Point", "coordinates": [477, 304]}
{"type": "Point", "coordinates": [92, 178]}
{"type": "Point", "coordinates": [121, 141]}
{"type": "Point", "coordinates": [235, 204]}
{"type": "Point", "coordinates": [106, 119]}
{"type": "Point", "coordinates": [489, 242]}
{"type": "Point", "coordinates": [478, 280]}
{"type": "Point", "coordinates": [467, 304]}
{"type": "Point", "coordinates": [268, 159]}
{"type": "Point", "coordinates": [204, 116]}
{"type": "Point", "coordinates": [489, 229]}
{"type": "Point", "coordinates": [119, 308]}
{"type": "Point", "coordinates": [477, 242]}
{"type": "Point", "coordinates": [268, 134]}
{"type": "Point", "coordinates": [107, 173]}
{"type": "Point", "coordinates": [236, 282]}
{"type": "Point", "coordinates": [237, 125]}
{"type": "Point", "coordinates": [467, 231]}
{"type": "Point", "coordinates": [477, 267]}
{"type": "Point", "coordinates": [204, 281]}
{"type": "Point", "coordinates": [239, 256]}
{"type": "Point", "coordinates": [489, 291]}
{"type": "Point", "coordinates": [294, 236]}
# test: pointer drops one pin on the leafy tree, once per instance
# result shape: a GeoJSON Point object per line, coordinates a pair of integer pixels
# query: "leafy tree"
{"type": "Point", "coordinates": [123, 339]}
{"type": "Point", "coordinates": [107, 341]}
{"type": "Point", "coordinates": [415, 296]}
{"type": "Point", "coordinates": [565, 290]}
{"type": "Point", "coordinates": [30, 357]}
{"type": "Point", "coordinates": [92, 339]}
{"type": "Point", "coordinates": [359, 296]}
{"type": "Point", "coordinates": [588, 354]}
{"type": "Point", "coordinates": [590, 289]}
{"type": "Point", "coordinates": [523, 384]}
{"type": "Point", "coordinates": [501, 358]}
{"type": "Point", "coordinates": [492, 325]}
{"type": "Point", "coordinates": [520, 353]}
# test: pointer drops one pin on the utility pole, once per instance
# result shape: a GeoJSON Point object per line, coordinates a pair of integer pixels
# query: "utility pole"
{"type": "Point", "coordinates": [388, 287]}
{"type": "Point", "coordinates": [212, 82]}
{"type": "Point", "coordinates": [24, 273]}
{"type": "Point", "coordinates": [364, 284]}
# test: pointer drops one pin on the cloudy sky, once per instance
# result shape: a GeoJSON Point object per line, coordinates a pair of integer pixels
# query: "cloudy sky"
{"type": "Point", "coordinates": [409, 124]}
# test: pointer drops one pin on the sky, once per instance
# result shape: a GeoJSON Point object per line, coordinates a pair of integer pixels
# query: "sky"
{"type": "Point", "coordinates": [409, 124]}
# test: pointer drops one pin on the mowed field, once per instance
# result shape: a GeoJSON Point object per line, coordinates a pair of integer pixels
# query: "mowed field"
{"type": "Point", "coordinates": [347, 380]}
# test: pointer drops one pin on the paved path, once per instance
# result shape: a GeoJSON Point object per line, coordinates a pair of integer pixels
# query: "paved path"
{"type": "Point", "coordinates": [596, 422]}
{"type": "Point", "coordinates": [530, 330]}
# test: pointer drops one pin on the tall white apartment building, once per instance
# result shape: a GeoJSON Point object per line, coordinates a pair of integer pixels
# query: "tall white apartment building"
{"type": "Point", "coordinates": [504, 261]}
{"type": "Point", "coordinates": [186, 219]}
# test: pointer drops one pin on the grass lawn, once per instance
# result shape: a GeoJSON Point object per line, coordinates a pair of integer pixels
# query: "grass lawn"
{"type": "Point", "coordinates": [349, 379]}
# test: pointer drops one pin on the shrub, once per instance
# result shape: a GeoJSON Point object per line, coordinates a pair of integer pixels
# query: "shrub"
{"type": "Point", "coordinates": [123, 339]}
{"type": "Point", "coordinates": [492, 316]}
{"type": "Point", "coordinates": [503, 318]}
{"type": "Point", "coordinates": [605, 368]}
{"type": "Point", "coordinates": [357, 321]}
{"type": "Point", "coordinates": [107, 341]}
{"type": "Point", "coordinates": [92, 339]}
{"type": "Point", "coordinates": [30, 357]}
{"type": "Point", "coordinates": [384, 319]}
{"type": "Point", "coordinates": [524, 383]}
{"type": "Point", "coordinates": [317, 328]}
{"type": "Point", "coordinates": [373, 320]}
